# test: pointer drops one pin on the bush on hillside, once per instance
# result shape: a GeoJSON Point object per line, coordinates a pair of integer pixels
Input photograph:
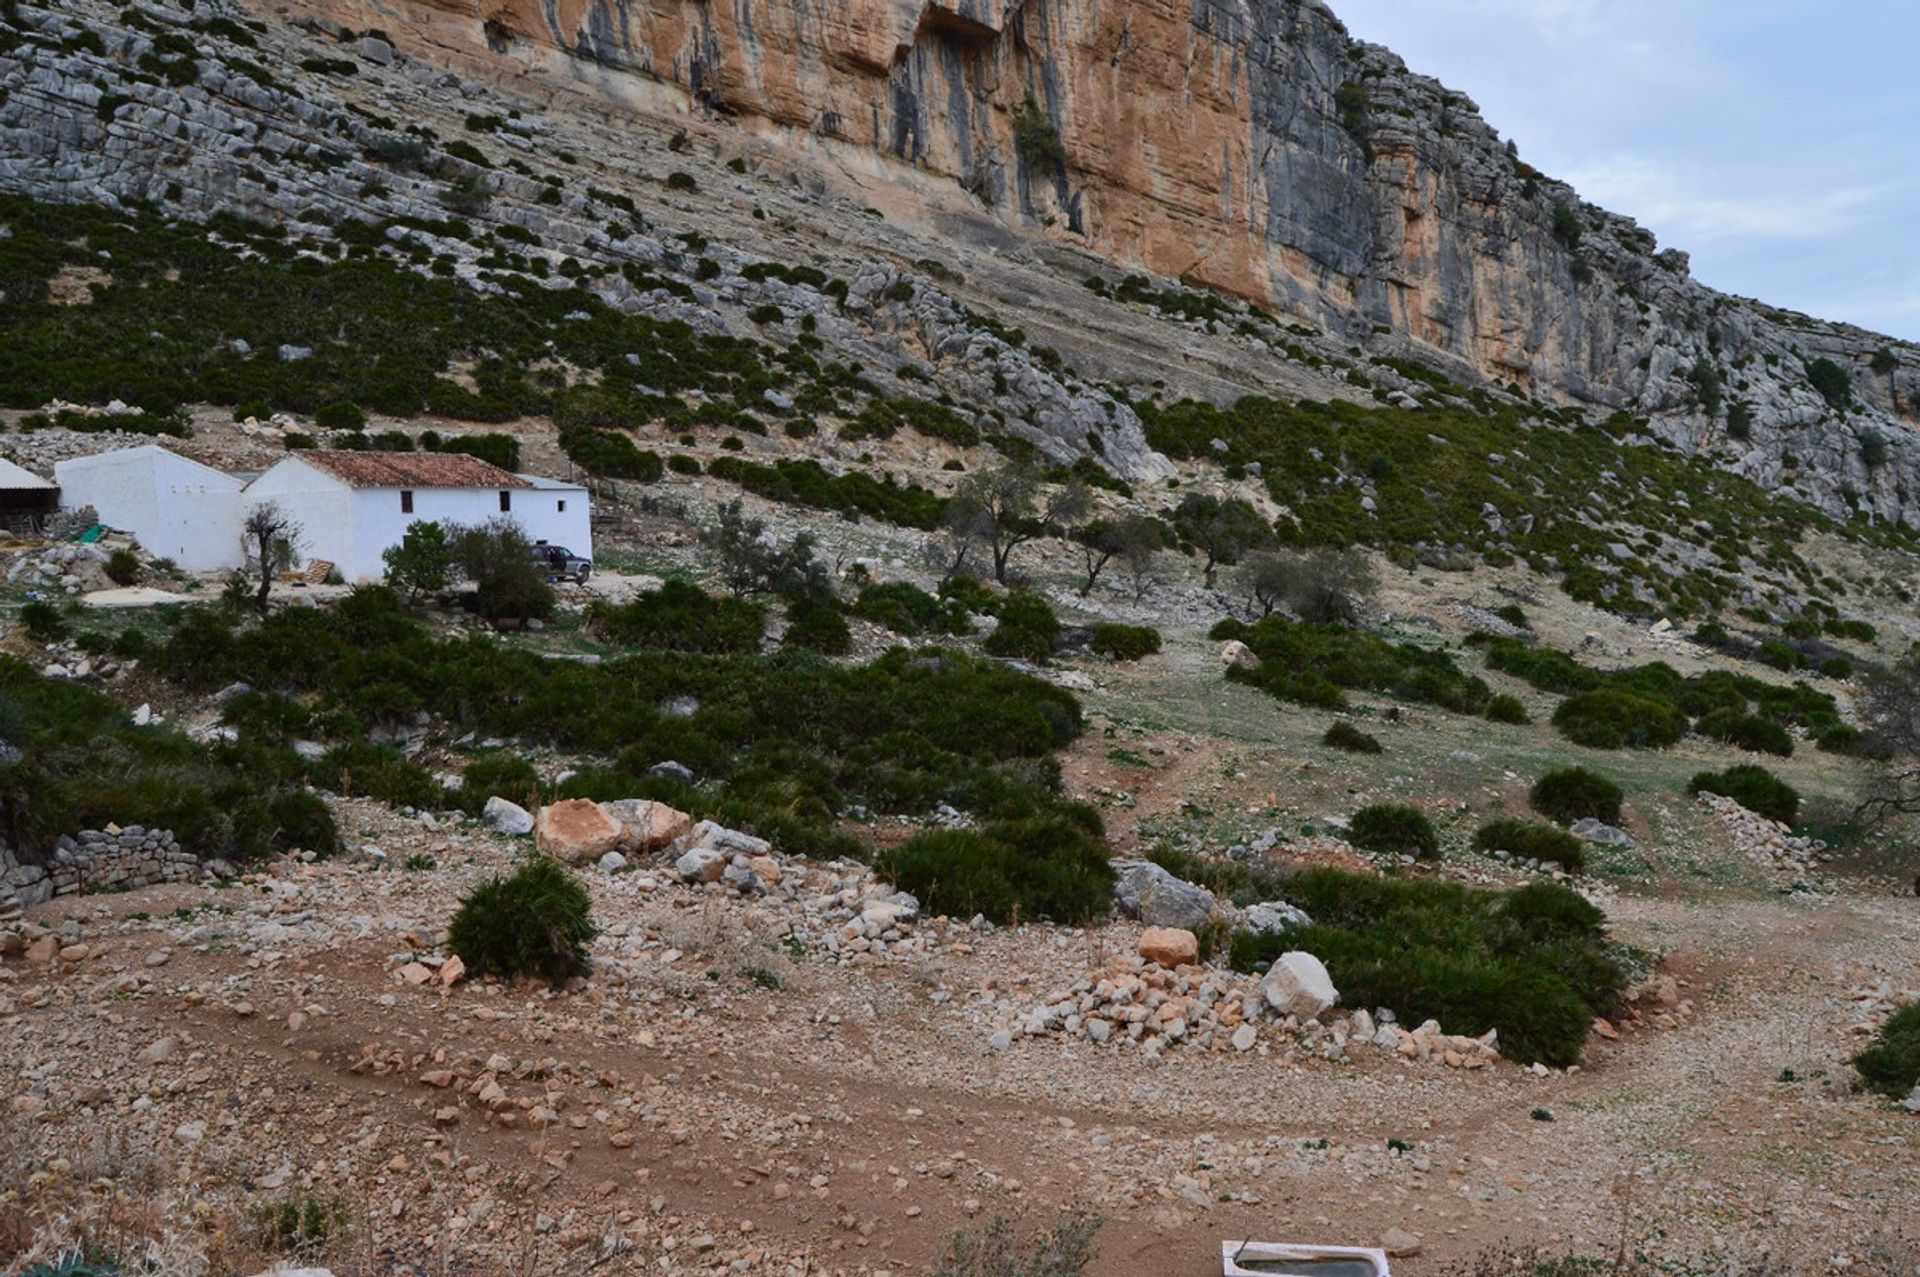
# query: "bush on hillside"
{"type": "Point", "coordinates": [1528, 841]}
{"type": "Point", "coordinates": [1746, 731]}
{"type": "Point", "coordinates": [499, 773]}
{"type": "Point", "coordinates": [1028, 629]}
{"type": "Point", "coordinates": [1350, 739]}
{"type": "Point", "coordinates": [818, 627]}
{"type": "Point", "coordinates": [1574, 794]}
{"type": "Point", "coordinates": [1053, 867]}
{"type": "Point", "coordinates": [1316, 664]}
{"type": "Point", "coordinates": [1394, 830]}
{"type": "Point", "coordinates": [535, 922]}
{"type": "Point", "coordinates": [1534, 964]}
{"type": "Point", "coordinates": [1755, 788]}
{"type": "Point", "coordinates": [1891, 1062]}
{"type": "Point", "coordinates": [1507, 709]}
{"type": "Point", "coordinates": [905, 608]}
{"type": "Point", "coordinates": [1613, 718]}
{"type": "Point", "coordinates": [43, 622]}
{"type": "Point", "coordinates": [679, 617]}
{"type": "Point", "coordinates": [611, 455]}
{"type": "Point", "coordinates": [1126, 642]}
{"type": "Point", "coordinates": [361, 769]}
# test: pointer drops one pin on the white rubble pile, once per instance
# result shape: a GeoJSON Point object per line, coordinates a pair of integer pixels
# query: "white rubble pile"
{"type": "Point", "coordinates": [1767, 842]}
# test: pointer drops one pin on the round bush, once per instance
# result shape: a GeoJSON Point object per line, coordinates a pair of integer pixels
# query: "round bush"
{"type": "Point", "coordinates": [1611, 718]}
{"type": "Point", "coordinates": [1574, 793]}
{"type": "Point", "coordinates": [1051, 867]}
{"type": "Point", "coordinates": [536, 922]}
{"type": "Point", "coordinates": [1507, 709]}
{"type": "Point", "coordinates": [340, 415]}
{"type": "Point", "coordinates": [1755, 788]}
{"type": "Point", "coordinates": [1891, 1065]}
{"type": "Point", "coordinates": [1028, 628]}
{"type": "Point", "coordinates": [1345, 736]}
{"type": "Point", "coordinates": [818, 627]}
{"type": "Point", "coordinates": [1394, 830]}
{"type": "Point", "coordinates": [1746, 731]}
{"type": "Point", "coordinates": [1126, 642]}
{"type": "Point", "coordinates": [1529, 841]}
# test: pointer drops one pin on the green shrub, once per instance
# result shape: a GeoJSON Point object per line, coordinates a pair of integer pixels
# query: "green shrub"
{"type": "Point", "coordinates": [1394, 830]}
{"type": "Point", "coordinates": [971, 593]}
{"type": "Point", "coordinates": [1843, 739]}
{"type": "Point", "coordinates": [905, 608]}
{"type": "Point", "coordinates": [1350, 739]}
{"type": "Point", "coordinates": [1052, 867]}
{"type": "Point", "coordinates": [1755, 788]}
{"type": "Point", "coordinates": [1542, 668]}
{"type": "Point", "coordinates": [1746, 731]}
{"type": "Point", "coordinates": [43, 621]}
{"type": "Point", "coordinates": [679, 617]}
{"type": "Point", "coordinates": [339, 415]}
{"type": "Point", "coordinates": [1507, 709]}
{"type": "Point", "coordinates": [1312, 664]}
{"type": "Point", "coordinates": [1612, 718]}
{"type": "Point", "coordinates": [123, 566]}
{"type": "Point", "coordinates": [535, 922]}
{"type": "Point", "coordinates": [611, 454]}
{"type": "Point", "coordinates": [1528, 841]}
{"type": "Point", "coordinates": [1125, 642]}
{"type": "Point", "coordinates": [1534, 964]}
{"type": "Point", "coordinates": [1891, 1063]}
{"type": "Point", "coordinates": [505, 774]}
{"type": "Point", "coordinates": [819, 627]}
{"type": "Point", "coordinates": [301, 1225]}
{"type": "Point", "coordinates": [1574, 794]}
{"type": "Point", "coordinates": [1512, 615]}
{"type": "Point", "coordinates": [360, 769]}
{"type": "Point", "coordinates": [1028, 629]}
{"type": "Point", "coordinates": [1779, 656]}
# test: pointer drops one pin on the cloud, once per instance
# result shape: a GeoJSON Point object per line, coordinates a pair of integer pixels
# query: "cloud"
{"type": "Point", "coordinates": [1688, 204]}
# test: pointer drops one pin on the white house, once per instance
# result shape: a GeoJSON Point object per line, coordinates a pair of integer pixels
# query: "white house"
{"type": "Point", "coordinates": [177, 509]}
{"type": "Point", "coordinates": [351, 506]}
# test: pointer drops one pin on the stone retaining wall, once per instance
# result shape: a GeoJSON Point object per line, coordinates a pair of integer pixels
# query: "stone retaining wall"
{"type": "Point", "coordinates": [94, 860]}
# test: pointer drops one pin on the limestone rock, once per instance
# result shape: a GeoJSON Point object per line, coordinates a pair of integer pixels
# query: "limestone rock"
{"type": "Point", "coordinates": [505, 817]}
{"type": "Point", "coordinates": [1235, 653]}
{"type": "Point", "coordinates": [1148, 892]}
{"type": "Point", "coordinates": [1298, 985]}
{"type": "Point", "coordinates": [646, 826]}
{"type": "Point", "coordinates": [1170, 946]}
{"type": "Point", "coordinates": [701, 865]}
{"type": "Point", "coordinates": [575, 831]}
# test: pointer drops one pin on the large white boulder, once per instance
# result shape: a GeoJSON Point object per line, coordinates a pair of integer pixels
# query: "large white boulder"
{"type": "Point", "coordinates": [707, 836]}
{"type": "Point", "coordinates": [505, 817]}
{"type": "Point", "coordinates": [1298, 985]}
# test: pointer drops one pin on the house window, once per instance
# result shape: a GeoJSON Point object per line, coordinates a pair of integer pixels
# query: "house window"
{"type": "Point", "coordinates": [506, 501]}
{"type": "Point", "coordinates": [561, 506]}
{"type": "Point", "coordinates": [406, 503]}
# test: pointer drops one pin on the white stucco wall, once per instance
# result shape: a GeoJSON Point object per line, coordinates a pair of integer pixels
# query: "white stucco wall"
{"type": "Point", "coordinates": [320, 503]}
{"type": "Point", "coordinates": [175, 508]}
{"type": "Point", "coordinates": [380, 522]}
{"type": "Point", "coordinates": [556, 513]}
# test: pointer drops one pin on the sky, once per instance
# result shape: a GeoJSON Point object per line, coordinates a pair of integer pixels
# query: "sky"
{"type": "Point", "coordinates": [1777, 141]}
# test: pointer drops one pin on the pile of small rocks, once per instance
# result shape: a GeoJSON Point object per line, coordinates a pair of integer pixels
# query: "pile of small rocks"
{"type": "Point", "coordinates": [1158, 1008]}
{"type": "Point", "coordinates": [1767, 842]}
{"type": "Point", "coordinates": [64, 566]}
{"type": "Point", "coordinates": [99, 859]}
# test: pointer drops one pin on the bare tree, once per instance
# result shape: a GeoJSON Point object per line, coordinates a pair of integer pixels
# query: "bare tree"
{"type": "Point", "coordinates": [1141, 561]}
{"type": "Point", "coordinates": [1006, 507]}
{"type": "Point", "coordinates": [1104, 540]}
{"type": "Point", "coordinates": [1890, 712]}
{"type": "Point", "coordinates": [271, 539]}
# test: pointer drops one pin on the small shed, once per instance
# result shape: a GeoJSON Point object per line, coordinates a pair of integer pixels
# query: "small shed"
{"type": "Point", "coordinates": [25, 498]}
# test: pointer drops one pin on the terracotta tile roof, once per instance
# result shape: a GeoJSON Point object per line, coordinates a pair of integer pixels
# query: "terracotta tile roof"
{"type": "Point", "coordinates": [412, 470]}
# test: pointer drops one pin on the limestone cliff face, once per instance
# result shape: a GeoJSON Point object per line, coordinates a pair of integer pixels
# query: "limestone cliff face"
{"type": "Point", "coordinates": [1248, 145]}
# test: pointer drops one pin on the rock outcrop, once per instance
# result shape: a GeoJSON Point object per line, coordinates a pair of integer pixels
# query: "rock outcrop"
{"type": "Point", "coordinates": [1248, 145]}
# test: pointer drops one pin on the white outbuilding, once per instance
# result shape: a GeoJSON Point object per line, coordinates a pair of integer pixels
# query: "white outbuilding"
{"type": "Point", "coordinates": [350, 506]}
{"type": "Point", "coordinates": [175, 508]}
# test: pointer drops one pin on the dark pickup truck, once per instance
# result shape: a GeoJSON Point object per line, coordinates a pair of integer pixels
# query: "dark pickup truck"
{"type": "Point", "coordinates": [562, 564]}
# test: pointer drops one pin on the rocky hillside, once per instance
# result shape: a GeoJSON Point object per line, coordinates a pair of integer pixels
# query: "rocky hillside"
{"type": "Point", "coordinates": [971, 190]}
{"type": "Point", "coordinates": [1251, 146]}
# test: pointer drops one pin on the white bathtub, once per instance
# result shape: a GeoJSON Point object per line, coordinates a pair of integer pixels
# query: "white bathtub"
{"type": "Point", "coordinates": [1234, 1256]}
